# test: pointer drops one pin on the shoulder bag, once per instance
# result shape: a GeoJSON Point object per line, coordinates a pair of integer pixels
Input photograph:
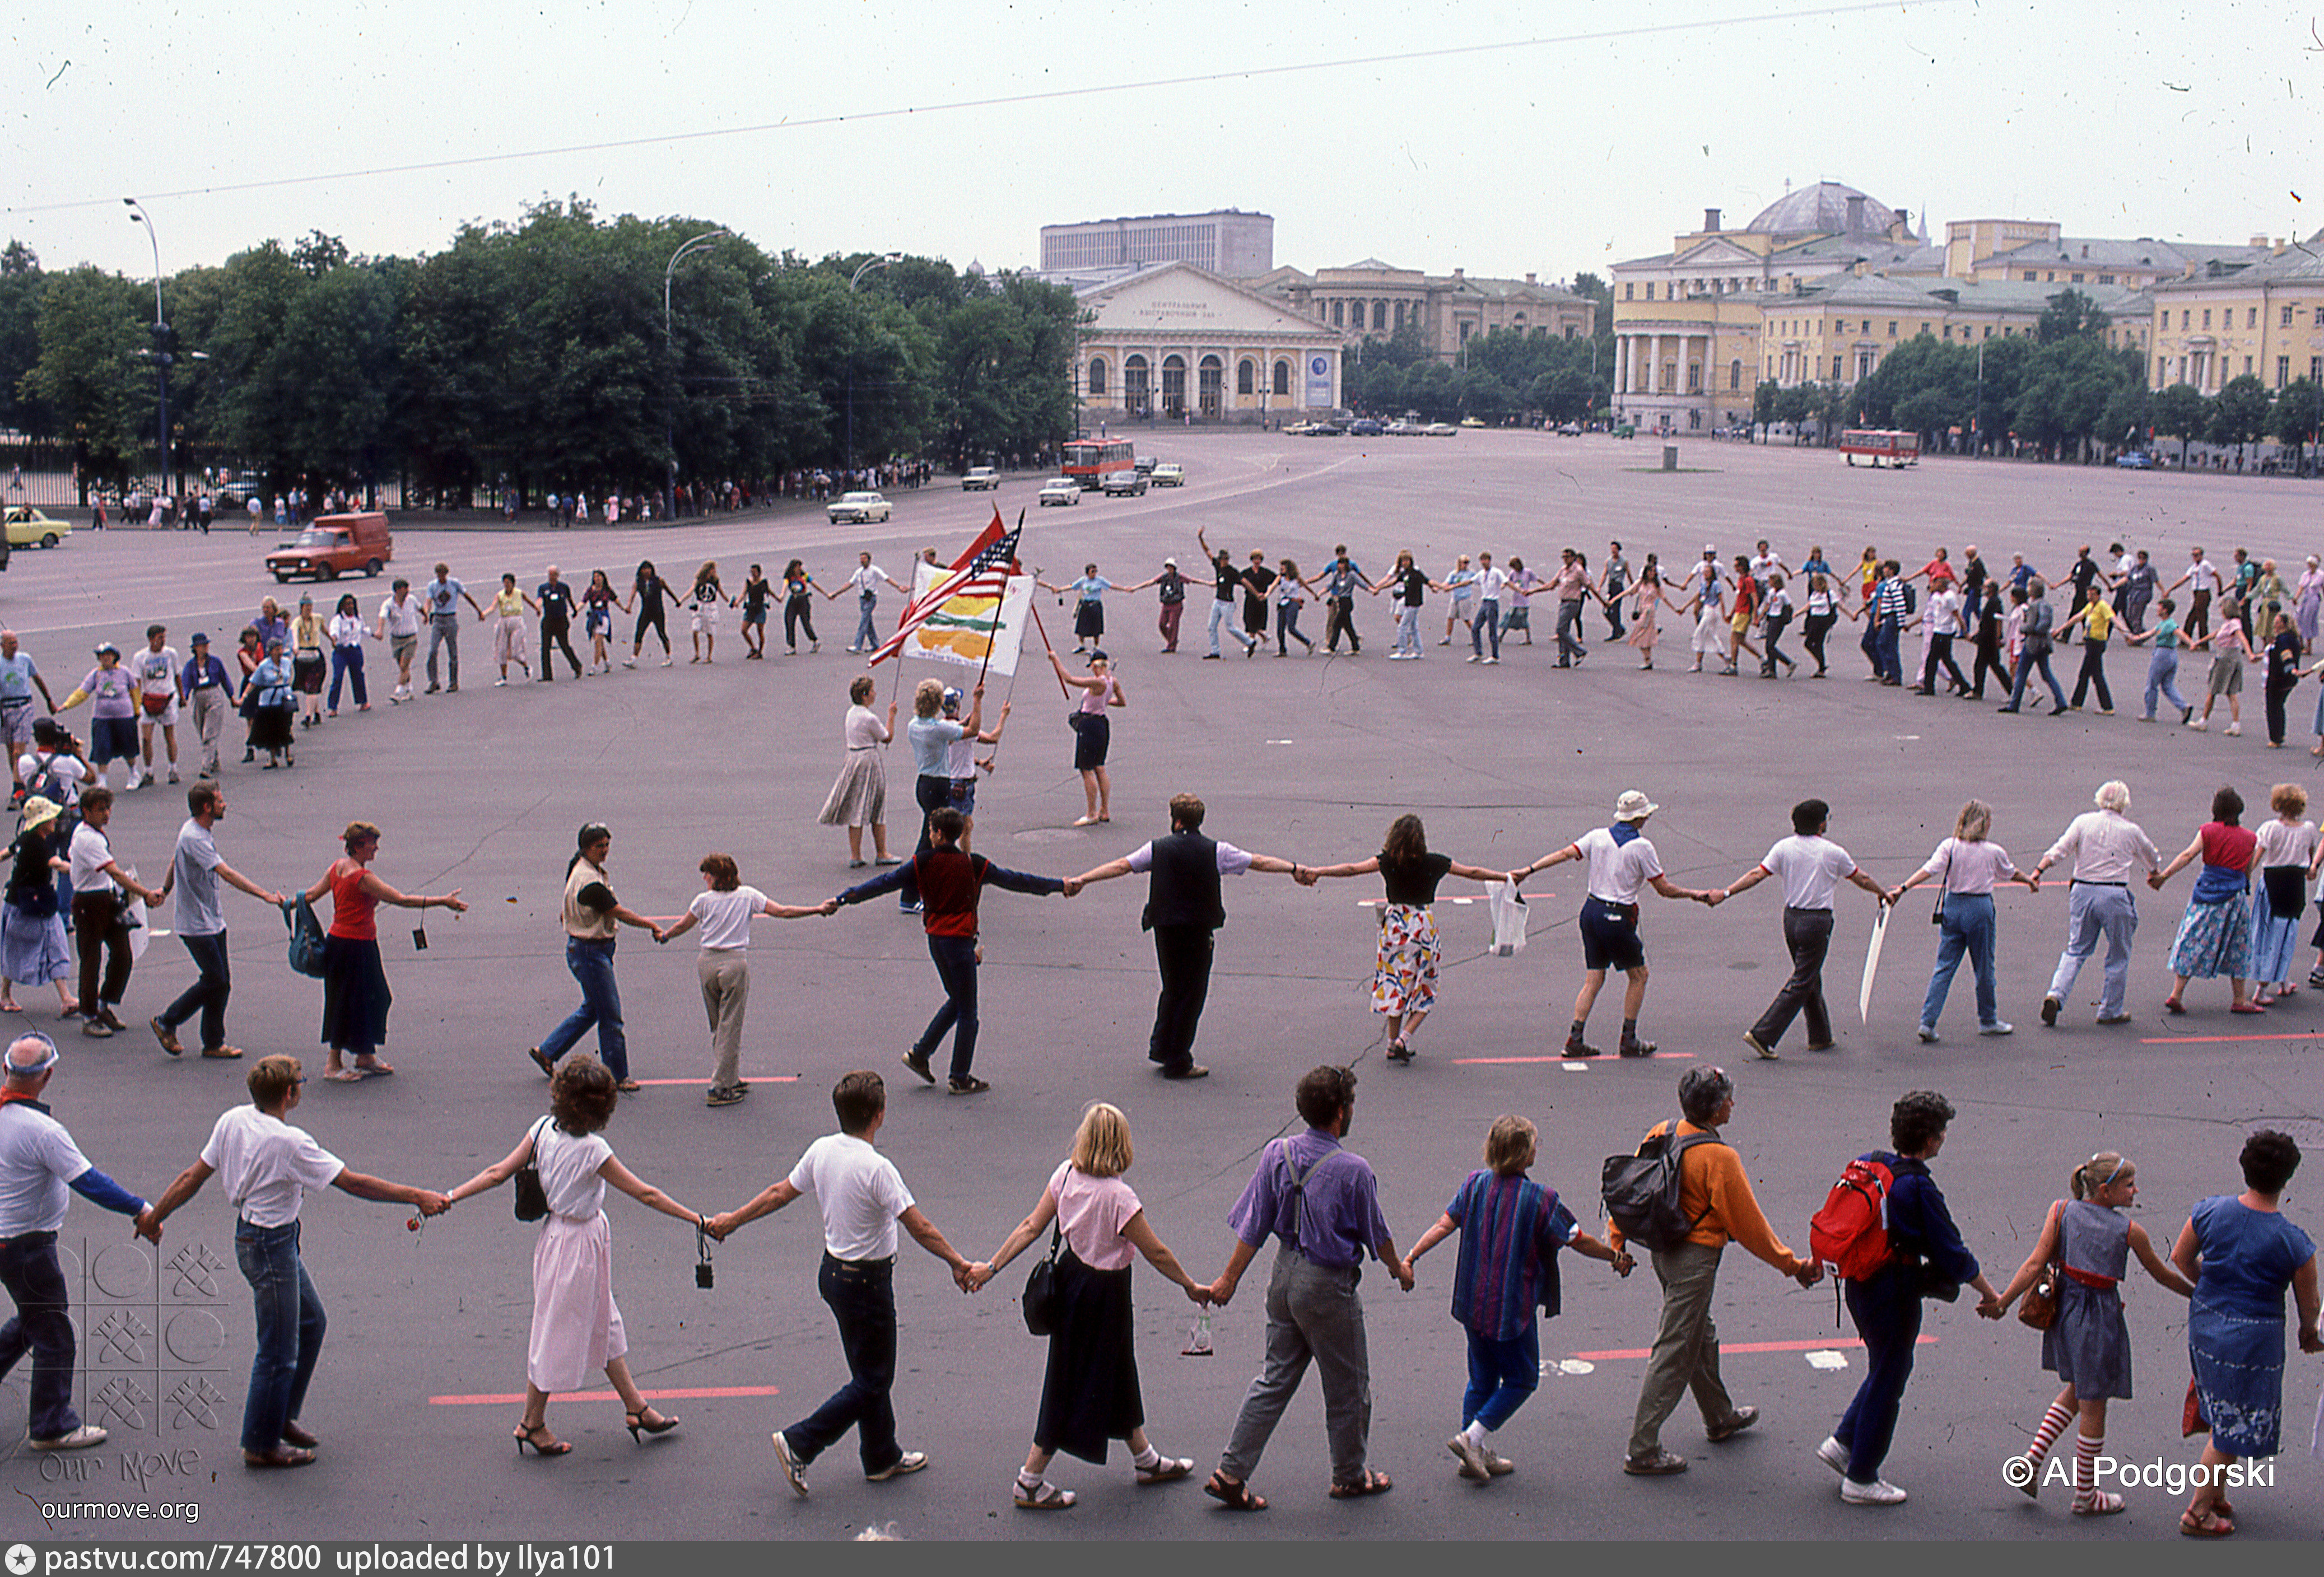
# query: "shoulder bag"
{"type": "Point", "coordinates": [531, 1202]}
{"type": "Point", "coordinates": [2039, 1307]}
{"type": "Point", "coordinates": [1041, 1296]}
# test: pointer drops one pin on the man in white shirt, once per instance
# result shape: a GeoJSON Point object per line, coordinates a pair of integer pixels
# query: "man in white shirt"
{"type": "Point", "coordinates": [1621, 863]}
{"type": "Point", "coordinates": [160, 689]}
{"type": "Point", "coordinates": [1490, 579]}
{"type": "Point", "coordinates": [269, 1166]}
{"type": "Point", "coordinates": [100, 921]}
{"type": "Point", "coordinates": [2107, 848]}
{"type": "Point", "coordinates": [197, 870]}
{"type": "Point", "coordinates": [398, 626]}
{"type": "Point", "coordinates": [2205, 577]}
{"type": "Point", "coordinates": [863, 1201]}
{"type": "Point", "coordinates": [1811, 867]}
{"type": "Point", "coordinates": [866, 580]}
{"type": "Point", "coordinates": [38, 1162]}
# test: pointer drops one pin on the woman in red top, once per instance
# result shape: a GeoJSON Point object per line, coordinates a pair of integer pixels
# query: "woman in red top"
{"type": "Point", "coordinates": [2214, 935]}
{"type": "Point", "coordinates": [355, 997]}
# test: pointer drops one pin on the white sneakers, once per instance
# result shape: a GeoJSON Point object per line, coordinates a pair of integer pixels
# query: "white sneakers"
{"type": "Point", "coordinates": [2235, 728]}
{"type": "Point", "coordinates": [1833, 1455]}
{"type": "Point", "coordinates": [1879, 1493]}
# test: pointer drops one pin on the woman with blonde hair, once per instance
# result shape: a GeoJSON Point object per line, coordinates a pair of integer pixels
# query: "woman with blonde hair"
{"type": "Point", "coordinates": [1968, 864]}
{"type": "Point", "coordinates": [1403, 976]}
{"type": "Point", "coordinates": [1093, 730]}
{"type": "Point", "coordinates": [1090, 1396]}
{"type": "Point", "coordinates": [576, 1327]}
{"type": "Point", "coordinates": [2087, 1345]}
{"type": "Point", "coordinates": [355, 997]}
{"type": "Point", "coordinates": [859, 793]}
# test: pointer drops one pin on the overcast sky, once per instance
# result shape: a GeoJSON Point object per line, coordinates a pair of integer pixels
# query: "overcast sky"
{"type": "Point", "coordinates": [2181, 122]}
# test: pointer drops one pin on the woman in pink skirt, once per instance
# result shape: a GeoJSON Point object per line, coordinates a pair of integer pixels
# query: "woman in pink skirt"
{"type": "Point", "coordinates": [1645, 599]}
{"type": "Point", "coordinates": [575, 1328]}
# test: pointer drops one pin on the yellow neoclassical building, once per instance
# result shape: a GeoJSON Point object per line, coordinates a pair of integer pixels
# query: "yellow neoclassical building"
{"type": "Point", "coordinates": [1175, 342]}
{"type": "Point", "coordinates": [2265, 318]}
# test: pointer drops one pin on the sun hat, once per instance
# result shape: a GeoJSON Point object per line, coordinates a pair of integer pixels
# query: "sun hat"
{"type": "Point", "coordinates": [1634, 806]}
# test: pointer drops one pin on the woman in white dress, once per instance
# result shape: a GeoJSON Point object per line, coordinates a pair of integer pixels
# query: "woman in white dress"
{"type": "Point", "coordinates": [859, 793]}
{"type": "Point", "coordinates": [575, 1328]}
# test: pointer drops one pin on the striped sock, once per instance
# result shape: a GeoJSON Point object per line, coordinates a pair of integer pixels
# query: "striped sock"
{"type": "Point", "coordinates": [2086, 1478]}
{"type": "Point", "coordinates": [2053, 1424]}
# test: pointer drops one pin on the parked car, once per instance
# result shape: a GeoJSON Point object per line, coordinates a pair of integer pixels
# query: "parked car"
{"type": "Point", "coordinates": [2135, 460]}
{"type": "Point", "coordinates": [1060, 490]}
{"type": "Point", "coordinates": [1443, 430]}
{"type": "Point", "coordinates": [334, 544]}
{"type": "Point", "coordinates": [1144, 463]}
{"type": "Point", "coordinates": [855, 508]}
{"type": "Point", "coordinates": [1123, 484]}
{"type": "Point", "coordinates": [1304, 429]}
{"type": "Point", "coordinates": [1364, 427]}
{"type": "Point", "coordinates": [1571, 430]}
{"type": "Point", "coordinates": [1472, 421]}
{"type": "Point", "coordinates": [1169, 473]}
{"type": "Point", "coordinates": [30, 527]}
{"type": "Point", "coordinates": [1401, 429]}
{"type": "Point", "coordinates": [980, 479]}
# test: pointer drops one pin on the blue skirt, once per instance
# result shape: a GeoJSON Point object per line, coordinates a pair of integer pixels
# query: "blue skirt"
{"type": "Point", "coordinates": [2239, 1379]}
{"type": "Point", "coordinates": [2089, 1345]}
{"type": "Point", "coordinates": [2214, 939]}
{"type": "Point", "coordinates": [2275, 941]}
{"type": "Point", "coordinates": [33, 951]}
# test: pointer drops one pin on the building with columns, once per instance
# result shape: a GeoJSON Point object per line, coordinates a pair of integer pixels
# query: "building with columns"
{"type": "Point", "coordinates": [1174, 341]}
{"type": "Point", "coordinates": [1375, 299]}
{"type": "Point", "coordinates": [2263, 318]}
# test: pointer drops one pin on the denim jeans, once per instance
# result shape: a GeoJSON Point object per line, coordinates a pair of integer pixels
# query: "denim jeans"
{"type": "Point", "coordinates": [866, 636]}
{"type": "Point", "coordinates": [1966, 928]}
{"type": "Point", "coordinates": [2025, 667]}
{"type": "Point", "coordinates": [1888, 661]}
{"type": "Point", "coordinates": [1224, 612]}
{"type": "Point", "coordinates": [1501, 1376]}
{"type": "Point", "coordinates": [1488, 623]}
{"type": "Point", "coordinates": [1886, 1309]}
{"type": "Point", "coordinates": [956, 961]}
{"type": "Point", "coordinates": [2161, 678]}
{"type": "Point", "coordinates": [592, 963]}
{"type": "Point", "coordinates": [29, 1270]}
{"type": "Point", "coordinates": [1569, 630]}
{"type": "Point", "coordinates": [1286, 629]}
{"type": "Point", "coordinates": [2093, 911]}
{"type": "Point", "coordinates": [861, 1297]}
{"type": "Point", "coordinates": [443, 630]}
{"type": "Point", "coordinates": [290, 1330]}
{"type": "Point", "coordinates": [346, 663]}
{"type": "Point", "coordinates": [213, 984]}
{"type": "Point", "coordinates": [1408, 629]}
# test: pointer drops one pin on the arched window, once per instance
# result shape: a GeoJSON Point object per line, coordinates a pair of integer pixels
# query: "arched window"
{"type": "Point", "coordinates": [1135, 385]}
{"type": "Point", "coordinates": [1734, 375]}
{"type": "Point", "coordinates": [1379, 314]}
{"type": "Point", "coordinates": [1339, 309]}
{"type": "Point", "coordinates": [1212, 386]}
{"type": "Point", "coordinates": [1097, 375]}
{"type": "Point", "coordinates": [1246, 376]}
{"type": "Point", "coordinates": [1283, 378]}
{"type": "Point", "coordinates": [1174, 385]}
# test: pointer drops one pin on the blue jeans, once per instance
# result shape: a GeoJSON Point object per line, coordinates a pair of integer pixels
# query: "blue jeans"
{"type": "Point", "coordinates": [346, 662]}
{"type": "Point", "coordinates": [1287, 625]}
{"type": "Point", "coordinates": [2025, 667]}
{"type": "Point", "coordinates": [1408, 629]}
{"type": "Point", "coordinates": [1501, 1376]}
{"type": "Point", "coordinates": [931, 794]}
{"type": "Point", "coordinates": [29, 1270]}
{"type": "Point", "coordinates": [1886, 1309]}
{"type": "Point", "coordinates": [592, 963]}
{"type": "Point", "coordinates": [1569, 630]}
{"type": "Point", "coordinates": [956, 961]}
{"type": "Point", "coordinates": [861, 1297]}
{"type": "Point", "coordinates": [2091, 912]}
{"type": "Point", "coordinates": [1967, 929]}
{"type": "Point", "coordinates": [290, 1330]}
{"type": "Point", "coordinates": [1488, 623]}
{"type": "Point", "coordinates": [1886, 660]}
{"type": "Point", "coordinates": [2162, 673]}
{"type": "Point", "coordinates": [1223, 612]}
{"type": "Point", "coordinates": [866, 636]}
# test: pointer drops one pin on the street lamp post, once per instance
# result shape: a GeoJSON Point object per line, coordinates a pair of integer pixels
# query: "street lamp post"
{"type": "Point", "coordinates": [853, 280]}
{"type": "Point", "coordinates": [670, 413]}
{"type": "Point", "coordinates": [137, 216]}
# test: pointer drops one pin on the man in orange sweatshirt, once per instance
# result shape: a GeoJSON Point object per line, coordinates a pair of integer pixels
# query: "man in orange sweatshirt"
{"type": "Point", "coordinates": [1716, 1198]}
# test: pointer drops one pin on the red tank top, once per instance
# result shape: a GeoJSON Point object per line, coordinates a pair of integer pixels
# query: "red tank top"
{"type": "Point", "coordinates": [352, 908]}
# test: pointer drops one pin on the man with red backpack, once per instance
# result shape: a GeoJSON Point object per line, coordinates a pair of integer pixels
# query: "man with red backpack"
{"type": "Point", "coordinates": [1885, 1231]}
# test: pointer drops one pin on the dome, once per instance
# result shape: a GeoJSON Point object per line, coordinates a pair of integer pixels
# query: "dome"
{"type": "Point", "coordinates": [1823, 208]}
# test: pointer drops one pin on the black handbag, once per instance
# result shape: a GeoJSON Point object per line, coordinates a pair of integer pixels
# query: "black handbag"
{"type": "Point", "coordinates": [1041, 1296]}
{"type": "Point", "coordinates": [531, 1200]}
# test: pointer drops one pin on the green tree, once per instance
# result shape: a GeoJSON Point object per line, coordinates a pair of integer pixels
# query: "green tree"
{"type": "Point", "coordinates": [2299, 413]}
{"type": "Point", "coordinates": [2064, 390]}
{"type": "Point", "coordinates": [2070, 315]}
{"type": "Point", "coordinates": [1766, 399]}
{"type": "Point", "coordinates": [2181, 413]}
{"type": "Point", "coordinates": [2240, 413]}
{"type": "Point", "coordinates": [88, 373]}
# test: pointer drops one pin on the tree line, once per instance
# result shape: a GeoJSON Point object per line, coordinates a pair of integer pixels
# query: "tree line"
{"type": "Point", "coordinates": [535, 355]}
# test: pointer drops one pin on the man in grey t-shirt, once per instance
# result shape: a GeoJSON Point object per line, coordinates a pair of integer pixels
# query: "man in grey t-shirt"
{"type": "Point", "coordinates": [201, 925]}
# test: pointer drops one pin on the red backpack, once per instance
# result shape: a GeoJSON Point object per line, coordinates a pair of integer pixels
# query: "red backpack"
{"type": "Point", "coordinates": [1850, 1232]}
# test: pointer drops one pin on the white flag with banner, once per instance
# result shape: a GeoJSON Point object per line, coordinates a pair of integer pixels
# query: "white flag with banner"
{"type": "Point", "coordinates": [980, 625]}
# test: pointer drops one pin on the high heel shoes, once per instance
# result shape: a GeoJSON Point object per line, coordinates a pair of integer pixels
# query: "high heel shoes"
{"type": "Point", "coordinates": [640, 1428]}
{"type": "Point", "coordinates": [537, 1436]}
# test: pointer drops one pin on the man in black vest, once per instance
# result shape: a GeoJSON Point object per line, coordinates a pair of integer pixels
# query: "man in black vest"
{"type": "Point", "coordinates": [1183, 908]}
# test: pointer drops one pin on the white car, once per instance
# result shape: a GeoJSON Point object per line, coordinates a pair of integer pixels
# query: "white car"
{"type": "Point", "coordinates": [1062, 490]}
{"type": "Point", "coordinates": [1441, 430]}
{"type": "Point", "coordinates": [980, 479]}
{"type": "Point", "coordinates": [1168, 473]}
{"type": "Point", "coordinates": [855, 508]}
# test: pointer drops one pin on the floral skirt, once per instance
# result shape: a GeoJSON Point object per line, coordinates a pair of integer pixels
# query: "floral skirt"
{"type": "Point", "coordinates": [1404, 980]}
{"type": "Point", "coordinates": [2214, 939]}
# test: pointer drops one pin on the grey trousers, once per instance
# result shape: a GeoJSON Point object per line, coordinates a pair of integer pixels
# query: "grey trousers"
{"type": "Point", "coordinates": [210, 708]}
{"type": "Point", "coordinates": [2093, 911]}
{"type": "Point", "coordinates": [444, 629]}
{"type": "Point", "coordinates": [725, 974]}
{"type": "Point", "coordinates": [1686, 1348]}
{"type": "Point", "coordinates": [1313, 1313]}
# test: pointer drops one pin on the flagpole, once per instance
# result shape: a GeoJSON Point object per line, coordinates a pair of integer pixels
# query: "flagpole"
{"type": "Point", "coordinates": [1064, 688]}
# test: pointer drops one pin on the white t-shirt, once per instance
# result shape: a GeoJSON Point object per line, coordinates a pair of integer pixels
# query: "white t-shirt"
{"type": "Point", "coordinates": [1490, 583]}
{"type": "Point", "coordinates": [1810, 868]}
{"type": "Point", "coordinates": [70, 771]}
{"type": "Point", "coordinates": [400, 618]}
{"type": "Point", "coordinates": [1616, 872]}
{"type": "Point", "coordinates": [1092, 1212]}
{"type": "Point", "coordinates": [867, 579]}
{"type": "Point", "coordinates": [37, 1159]}
{"type": "Point", "coordinates": [267, 1164]}
{"type": "Point", "coordinates": [568, 1170]}
{"type": "Point", "coordinates": [1231, 861]}
{"type": "Point", "coordinates": [157, 671]}
{"type": "Point", "coordinates": [1970, 866]}
{"type": "Point", "coordinates": [90, 855]}
{"type": "Point", "coordinates": [2282, 842]}
{"type": "Point", "coordinates": [860, 1192]}
{"type": "Point", "coordinates": [2203, 575]}
{"type": "Point", "coordinates": [723, 918]}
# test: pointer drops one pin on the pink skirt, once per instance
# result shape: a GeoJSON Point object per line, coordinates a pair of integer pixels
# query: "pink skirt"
{"type": "Point", "coordinates": [576, 1330]}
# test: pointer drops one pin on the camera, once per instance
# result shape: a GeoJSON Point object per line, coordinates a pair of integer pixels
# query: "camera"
{"type": "Point", "coordinates": [705, 1275]}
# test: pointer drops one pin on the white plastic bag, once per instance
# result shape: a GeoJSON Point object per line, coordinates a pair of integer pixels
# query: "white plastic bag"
{"type": "Point", "coordinates": [1509, 906]}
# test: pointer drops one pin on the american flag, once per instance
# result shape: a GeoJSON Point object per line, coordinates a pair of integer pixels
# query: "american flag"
{"type": "Point", "coordinates": [982, 571]}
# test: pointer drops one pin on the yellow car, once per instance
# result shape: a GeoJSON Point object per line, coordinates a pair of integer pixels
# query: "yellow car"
{"type": "Point", "coordinates": [29, 528]}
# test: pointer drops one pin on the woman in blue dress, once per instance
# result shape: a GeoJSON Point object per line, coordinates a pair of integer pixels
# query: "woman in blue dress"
{"type": "Point", "coordinates": [2241, 1253]}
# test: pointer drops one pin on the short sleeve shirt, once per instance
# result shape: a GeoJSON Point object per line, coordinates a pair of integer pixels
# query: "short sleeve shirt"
{"type": "Point", "coordinates": [555, 600]}
{"type": "Point", "coordinates": [1092, 1212]}
{"type": "Point", "coordinates": [723, 918]}
{"type": "Point", "coordinates": [1232, 861]}
{"type": "Point", "coordinates": [37, 1159]}
{"type": "Point", "coordinates": [156, 671]}
{"type": "Point", "coordinates": [1810, 868]}
{"type": "Point", "coordinates": [16, 674]}
{"type": "Point", "coordinates": [860, 1192]}
{"type": "Point", "coordinates": [200, 914]}
{"type": "Point", "coordinates": [1617, 870]}
{"type": "Point", "coordinates": [444, 598]}
{"type": "Point", "coordinates": [931, 738]}
{"type": "Point", "coordinates": [267, 1164]}
{"type": "Point", "coordinates": [111, 691]}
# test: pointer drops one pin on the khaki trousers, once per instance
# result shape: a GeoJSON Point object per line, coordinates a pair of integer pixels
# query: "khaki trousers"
{"type": "Point", "coordinates": [1686, 1348]}
{"type": "Point", "coordinates": [725, 976]}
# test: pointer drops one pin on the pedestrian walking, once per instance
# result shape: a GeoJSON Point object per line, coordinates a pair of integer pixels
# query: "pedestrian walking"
{"type": "Point", "coordinates": [1571, 585]}
{"type": "Point", "coordinates": [1522, 584]}
{"type": "Point", "coordinates": [2230, 651]}
{"type": "Point", "coordinates": [101, 916]}
{"type": "Point", "coordinates": [355, 998]}
{"type": "Point", "coordinates": [112, 692]}
{"type": "Point", "coordinates": [1410, 587]}
{"type": "Point", "coordinates": [441, 598]}
{"type": "Point", "coordinates": [196, 870]}
{"type": "Point", "coordinates": [2283, 657]}
{"type": "Point", "coordinates": [2162, 667]}
{"type": "Point", "coordinates": [1288, 586]}
{"type": "Point", "coordinates": [1172, 601]}
{"type": "Point", "coordinates": [1461, 585]}
{"type": "Point", "coordinates": [863, 1200]}
{"type": "Point", "coordinates": [1320, 1201]}
{"type": "Point", "coordinates": [308, 662]}
{"type": "Point", "coordinates": [2034, 640]}
{"type": "Point", "coordinates": [2288, 858]}
{"type": "Point", "coordinates": [1811, 867]}
{"type": "Point", "coordinates": [1646, 610]}
{"type": "Point", "coordinates": [19, 677]}
{"type": "Point", "coordinates": [159, 692]}
{"type": "Point", "coordinates": [2215, 932]}
{"type": "Point", "coordinates": [33, 948]}
{"type": "Point", "coordinates": [347, 632]}
{"type": "Point", "coordinates": [725, 910]}
{"type": "Point", "coordinates": [591, 916]}
{"type": "Point", "coordinates": [1716, 1196]}
{"type": "Point", "coordinates": [38, 1161]}
{"type": "Point", "coordinates": [2087, 1345]}
{"type": "Point", "coordinates": [1511, 1229]}
{"type": "Point", "coordinates": [269, 702]}
{"type": "Point", "coordinates": [577, 1327]}
{"type": "Point", "coordinates": [399, 625]}
{"type": "Point", "coordinates": [1185, 907]}
{"type": "Point", "coordinates": [1341, 580]}
{"type": "Point", "coordinates": [867, 579]}
{"type": "Point", "coordinates": [555, 600]}
{"type": "Point", "coordinates": [1612, 581]}
{"type": "Point", "coordinates": [1257, 581]}
{"type": "Point", "coordinates": [1093, 730]}
{"type": "Point", "coordinates": [269, 1166]}
{"type": "Point", "coordinates": [507, 619]}
{"type": "Point", "coordinates": [1926, 1258]}
{"type": "Point", "coordinates": [2108, 850]}
{"type": "Point", "coordinates": [1403, 975]}
{"type": "Point", "coordinates": [1090, 1392]}
{"type": "Point", "coordinates": [1622, 862]}
{"type": "Point", "coordinates": [1490, 580]}
{"type": "Point", "coordinates": [1967, 866]}
{"type": "Point", "coordinates": [701, 605]}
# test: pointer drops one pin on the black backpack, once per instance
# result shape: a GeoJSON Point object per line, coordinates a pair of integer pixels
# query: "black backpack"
{"type": "Point", "coordinates": [1641, 1190]}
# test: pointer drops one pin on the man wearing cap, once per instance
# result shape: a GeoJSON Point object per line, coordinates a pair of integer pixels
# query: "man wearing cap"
{"type": "Point", "coordinates": [2107, 848]}
{"type": "Point", "coordinates": [1715, 1195]}
{"type": "Point", "coordinates": [1173, 601]}
{"type": "Point", "coordinates": [1622, 862]}
{"type": "Point", "coordinates": [197, 870]}
{"type": "Point", "coordinates": [441, 599]}
{"type": "Point", "coordinates": [269, 1166]}
{"type": "Point", "coordinates": [207, 684]}
{"type": "Point", "coordinates": [38, 1162]}
{"type": "Point", "coordinates": [961, 762]}
{"type": "Point", "coordinates": [159, 692]}
{"type": "Point", "coordinates": [1811, 867]}
{"type": "Point", "coordinates": [18, 679]}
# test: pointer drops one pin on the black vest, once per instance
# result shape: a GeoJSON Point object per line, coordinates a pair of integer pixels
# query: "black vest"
{"type": "Point", "coordinates": [1185, 886]}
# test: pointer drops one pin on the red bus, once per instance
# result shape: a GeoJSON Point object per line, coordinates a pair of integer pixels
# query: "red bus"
{"type": "Point", "coordinates": [1881, 447]}
{"type": "Point", "coordinates": [1090, 461]}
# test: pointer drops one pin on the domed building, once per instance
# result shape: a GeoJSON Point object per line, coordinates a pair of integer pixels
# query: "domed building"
{"type": "Point", "coordinates": [1825, 209]}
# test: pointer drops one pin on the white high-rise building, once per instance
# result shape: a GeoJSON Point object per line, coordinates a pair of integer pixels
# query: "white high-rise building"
{"type": "Point", "coordinates": [1225, 241]}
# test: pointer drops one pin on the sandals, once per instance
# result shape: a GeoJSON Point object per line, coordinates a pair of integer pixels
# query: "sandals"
{"type": "Point", "coordinates": [342, 1075]}
{"type": "Point", "coordinates": [1168, 1468]}
{"type": "Point", "coordinates": [2210, 1525]}
{"type": "Point", "coordinates": [1398, 1051]}
{"type": "Point", "coordinates": [1374, 1483]}
{"type": "Point", "coordinates": [537, 1436]}
{"type": "Point", "coordinates": [1046, 1497]}
{"type": "Point", "coordinates": [1232, 1494]}
{"type": "Point", "coordinates": [2101, 1503]}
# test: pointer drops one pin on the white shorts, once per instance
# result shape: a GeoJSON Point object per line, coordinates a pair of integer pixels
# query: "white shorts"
{"type": "Point", "coordinates": [16, 724]}
{"type": "Point", "coordinates": [167, 716]}
{"type": "Point", "coordinates": [706, 617]}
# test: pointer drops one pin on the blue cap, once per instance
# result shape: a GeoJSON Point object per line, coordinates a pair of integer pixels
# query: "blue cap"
{"type": "Point", "coordinates": [201, 640]}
